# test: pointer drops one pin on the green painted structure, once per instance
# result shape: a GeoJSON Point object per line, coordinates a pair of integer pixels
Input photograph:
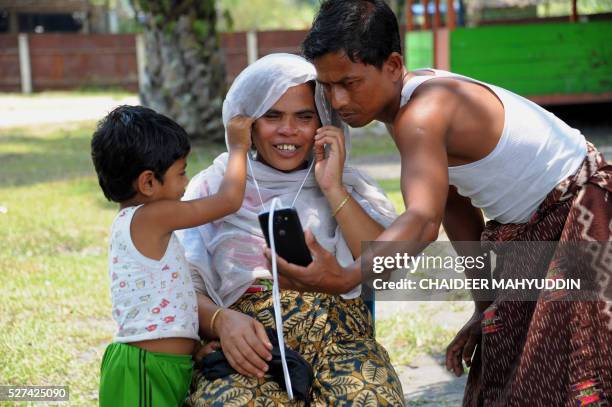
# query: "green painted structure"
{"type": "Point", "coordinates": [420, 49]}
{"type": "Point", "coordinates": [537, 59]}
{"type": "Point", "coordinates": [544, 59]}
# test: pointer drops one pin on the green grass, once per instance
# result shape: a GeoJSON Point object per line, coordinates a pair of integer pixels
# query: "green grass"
{"type": "Point", "coordinates": [417, 335]}
{"type": "Point", "coordinates": [55, 311]}
{"type": "Point", "coordinates": [392, 188]}
{"type": "Point", "coordinates": [55, 317]}
{"type": "Point", "coordinates": [380, 145]}
{"type": "Point", "coordinates": [422, 328]}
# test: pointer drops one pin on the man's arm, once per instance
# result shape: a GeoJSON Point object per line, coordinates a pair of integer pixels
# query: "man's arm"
{"type": "Point", "coordinates": [464, 224]}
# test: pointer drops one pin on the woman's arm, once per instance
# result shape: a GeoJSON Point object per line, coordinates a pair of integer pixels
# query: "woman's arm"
{"type": "Point", "coordinates": [243, 339]}
{"type": "Point", "coordinates": [356, 224]}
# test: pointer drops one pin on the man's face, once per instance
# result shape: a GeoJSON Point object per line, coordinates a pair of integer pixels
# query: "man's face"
{"type": "Point", "coordinates": [359, 92]}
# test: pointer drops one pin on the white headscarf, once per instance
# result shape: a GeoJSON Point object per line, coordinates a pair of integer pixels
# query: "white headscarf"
{"type": "Point", "coordinates": [227, 253]}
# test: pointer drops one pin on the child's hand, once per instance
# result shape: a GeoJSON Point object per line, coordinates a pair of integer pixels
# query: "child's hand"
{"type": "Point", "coordinates": [202, 351]}
{"type": "Point", "coordinates": [239, 132]}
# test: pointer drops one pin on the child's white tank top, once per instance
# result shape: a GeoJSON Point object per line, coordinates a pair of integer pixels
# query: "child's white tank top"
{"type": "Point", "coordinates": [535, 152]}
{"type": "Point", "coordinates": [152, 299]}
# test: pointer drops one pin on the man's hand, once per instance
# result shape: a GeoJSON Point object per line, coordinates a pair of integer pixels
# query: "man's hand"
{"type": "Point", "coordinates": [244, 342]}
{"type": "Point", "coordinates": [462, 347]}
{"type": "Point", "coordinates": [324, 274]}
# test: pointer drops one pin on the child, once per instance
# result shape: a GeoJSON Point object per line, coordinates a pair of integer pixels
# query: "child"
{"type": "Point", "coordinates": [140, 158]}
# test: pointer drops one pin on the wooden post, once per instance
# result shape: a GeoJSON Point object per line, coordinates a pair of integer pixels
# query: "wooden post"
{"type": "Point", "coordinates": [141, 61]}
{"type": "Point", "coordinates": [436, 25]}
{"type": "Point", "coordinates": [13, 22]}
{"type": "Point", "coordinates": [25, 68]}
{"type": "Point", "coordinates": [437, 19]}
{"type": "Point", "coordinates": [252, 47]}
{"type": "Point", "coordinates": [574, 16]}
{"type": "Point", "coordinates": [450, 15]}
{"type": "Point", "coordinates": [409, 16]}
{"type": "Point", "coordinates": [427, 23]}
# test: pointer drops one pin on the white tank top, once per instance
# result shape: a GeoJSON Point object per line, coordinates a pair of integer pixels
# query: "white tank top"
{"type": "Point", "coordinates": [152, 299]}
{"type": "Point", "coordinates": [536, 151]}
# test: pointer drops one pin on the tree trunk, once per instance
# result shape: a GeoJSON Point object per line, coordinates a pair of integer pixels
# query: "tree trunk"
{"type": "Point", "coordinates": [185, 72]}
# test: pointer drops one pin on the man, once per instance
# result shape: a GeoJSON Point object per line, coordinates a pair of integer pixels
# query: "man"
{"type": "Point", "coordinates": [468, 147]}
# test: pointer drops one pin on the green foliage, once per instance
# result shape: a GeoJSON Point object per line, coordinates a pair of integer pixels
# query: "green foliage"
{"type": "Point", "coordinates": [235, 15]}
{"type": "Point", "coordinates": [202, 28]}
{"type": "Point", "coordinates": [553, 8]}
{"type": "Point", "coordinates": [266, 14]}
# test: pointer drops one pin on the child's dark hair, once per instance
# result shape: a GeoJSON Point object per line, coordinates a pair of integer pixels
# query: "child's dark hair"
{"type": "Point", "coordinates": [366, 30]}
{"type": "Point", "coordinates": [133, 139]}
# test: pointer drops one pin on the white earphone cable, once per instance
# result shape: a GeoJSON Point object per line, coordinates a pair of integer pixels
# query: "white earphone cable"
{"type": "Point", "coordinates": [276, 300]}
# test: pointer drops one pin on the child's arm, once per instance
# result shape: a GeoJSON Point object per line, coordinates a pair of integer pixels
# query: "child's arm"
{"type": "Point", "coordinates": [168, 215]}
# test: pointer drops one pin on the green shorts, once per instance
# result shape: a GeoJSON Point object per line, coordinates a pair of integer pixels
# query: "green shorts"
{"type": "Point", "coordinates": [131, 376]}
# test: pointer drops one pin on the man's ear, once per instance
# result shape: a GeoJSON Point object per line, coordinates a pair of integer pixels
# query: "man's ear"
{"type": "Point", "coordinates": [146, 183]}
{"type": "Point", "coordinates": [394, 66]}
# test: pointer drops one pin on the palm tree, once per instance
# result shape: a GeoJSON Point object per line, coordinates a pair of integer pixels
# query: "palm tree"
{"type": "Point", "coordinates": [185, 73]}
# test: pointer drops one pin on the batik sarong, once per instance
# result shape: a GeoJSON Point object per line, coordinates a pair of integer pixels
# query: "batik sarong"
{"type": "Point", "coordinates": [552, 352]}
{"type": "Point", "coordinates": [334, 335]}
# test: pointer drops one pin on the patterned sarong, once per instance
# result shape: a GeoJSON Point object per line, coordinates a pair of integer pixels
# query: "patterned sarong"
{"type": "Point", "coordinates": [334, 335]}
{"type": "Point", "coordinates": [551, 353]}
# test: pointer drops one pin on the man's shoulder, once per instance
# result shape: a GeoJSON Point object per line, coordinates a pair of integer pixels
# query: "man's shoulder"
{"type": "Point", "coordinates": [432, 101]}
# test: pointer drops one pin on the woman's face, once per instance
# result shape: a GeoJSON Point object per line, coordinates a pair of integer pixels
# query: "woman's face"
{"type": "Point", "coordinates": [284, 135]}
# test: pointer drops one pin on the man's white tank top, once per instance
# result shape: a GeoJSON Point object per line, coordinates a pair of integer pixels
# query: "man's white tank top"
{"type": "Point", "coordinates": [535, 152]}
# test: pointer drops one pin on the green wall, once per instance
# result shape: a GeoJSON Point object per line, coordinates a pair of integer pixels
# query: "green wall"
{"type": "Point", "coordinates": [536, 59]}
{"type": "Point", "coordinates": [419, 49]}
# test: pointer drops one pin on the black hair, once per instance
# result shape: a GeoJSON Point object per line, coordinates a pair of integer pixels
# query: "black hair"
{"type": "Point", "coordinates": [133, 139]}
{"type": "Point", "coordinates": [366, 30]}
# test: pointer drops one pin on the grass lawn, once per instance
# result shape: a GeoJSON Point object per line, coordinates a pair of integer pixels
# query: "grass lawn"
{"type": "Point", "coordinates": [373, 144]}
{"type": "Point", "coordinates": [55, 311]}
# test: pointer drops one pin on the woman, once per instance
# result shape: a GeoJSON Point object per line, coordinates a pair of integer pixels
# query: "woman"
{"type": "Point", "coordinates": [337, 204]}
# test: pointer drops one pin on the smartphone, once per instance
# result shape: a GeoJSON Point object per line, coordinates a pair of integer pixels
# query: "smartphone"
{"type": "Point", "coordinates": [288, 236]}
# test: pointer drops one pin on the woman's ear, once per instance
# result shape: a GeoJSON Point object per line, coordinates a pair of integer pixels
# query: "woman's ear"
{"type": "Point", "coordinates": [146, 183]}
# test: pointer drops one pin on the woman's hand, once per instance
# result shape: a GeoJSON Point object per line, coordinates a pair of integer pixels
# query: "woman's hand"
{"type": "Point", "coordinates": [464, 344]}
{"type": "Point", "coordinates": [328, 171]}
{"type": "Point", "coordinates": [244, 342]}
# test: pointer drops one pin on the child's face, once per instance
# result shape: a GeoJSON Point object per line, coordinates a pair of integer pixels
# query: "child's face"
{"type": "Point", "coordinates": [284, 135]}
{"type": "Point", "coordinates": [175, 181]}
